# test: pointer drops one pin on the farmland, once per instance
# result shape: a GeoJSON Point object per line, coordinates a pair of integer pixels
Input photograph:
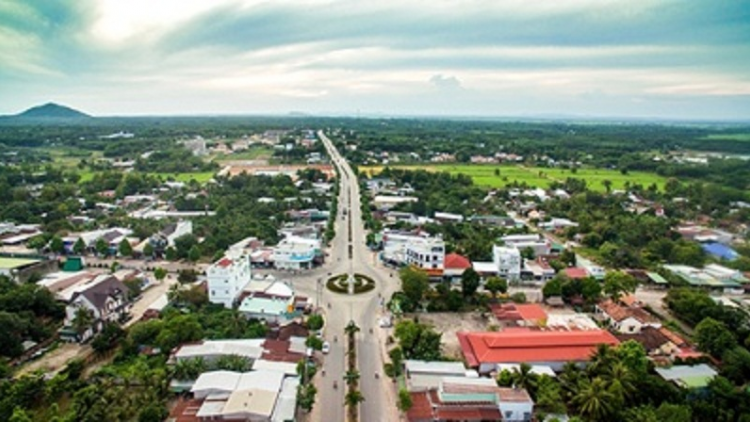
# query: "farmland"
{"type": "Point", "coordinates": [484, 175]}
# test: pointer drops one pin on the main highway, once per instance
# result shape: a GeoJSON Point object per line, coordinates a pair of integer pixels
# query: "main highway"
{"type": "Point", "coordinates": [338, 309]}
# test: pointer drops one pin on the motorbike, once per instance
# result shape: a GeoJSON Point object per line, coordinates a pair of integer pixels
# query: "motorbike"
{"type": "Point", "coordinates": [335, 385]}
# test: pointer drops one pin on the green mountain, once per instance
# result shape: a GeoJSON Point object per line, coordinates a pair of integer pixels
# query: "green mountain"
{"type": "Point", "coordinates": [52, 111]}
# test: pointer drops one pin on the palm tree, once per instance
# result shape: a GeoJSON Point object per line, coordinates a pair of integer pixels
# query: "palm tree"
{"type": "Point", "coordinates": [351, 328]}
{"type": "Point", "coordinates": [82, 320]}
{"type": "Point", "coordinates": [189, 369]}
{"type": "Point", "coordinates": [351, 377]}
{"type": "Point", "coordinates": [602, 358]}
{"type": "Point", "coordinates": [621, 382]}
{"type": "Point", "coordinates": [570, 379]}
{"type": "Point", "coordinates": [353, 398]}
{"type": "Point", "coordinates": [523, 377]}
{"type": "Point", "coordinates": [594, 401]}
{"type": "Point", "coordinates": [233, 363]}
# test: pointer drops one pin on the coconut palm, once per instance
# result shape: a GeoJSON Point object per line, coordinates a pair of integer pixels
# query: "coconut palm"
{"type": "Point", "coordinates": [523, 377]}
{"type": "Point", "coordinates": [570, 379]}
{"type": "Point", "coordinates": [233, 363]}
{"type": "Point", "coordinates": [351, 328]}
{"type": "Point", "coordinates": [353, 398]}
{"type": "Point", "coordinates": [593, 400]}
{"type": "Point", "coordinates": [351, 377]}
{"type": "Point", "coordinates": [621, 381]}
{"type": "Point", "coordinates": [602, 358]}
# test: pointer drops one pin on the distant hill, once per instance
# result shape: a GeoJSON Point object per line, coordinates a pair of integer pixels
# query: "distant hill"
{"type": "Point", "coordinates": [52, 111]}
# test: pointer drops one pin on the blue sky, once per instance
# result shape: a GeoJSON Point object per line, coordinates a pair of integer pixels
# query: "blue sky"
{"type": "Point", "coordinates": [686, 59]}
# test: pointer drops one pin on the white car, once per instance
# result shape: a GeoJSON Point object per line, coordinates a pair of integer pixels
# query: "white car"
{"type": "Point", "coordinates": [326, 348]}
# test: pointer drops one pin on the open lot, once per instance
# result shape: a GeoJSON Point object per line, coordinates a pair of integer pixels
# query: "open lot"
{"type": "Point", "coordinates": [200, 177]}
{"type": "Point", "coordinates": [259, 152]}
{"type": "Point", "coordinates": [451, 323]}
{"type": "Point", "coordinates": [484, 175]}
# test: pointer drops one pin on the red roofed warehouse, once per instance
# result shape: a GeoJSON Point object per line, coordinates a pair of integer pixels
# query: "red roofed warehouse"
{"type": "Point", "coordinates": [552, 348]}
{"type": "Point", "coordinates": [454, 266]}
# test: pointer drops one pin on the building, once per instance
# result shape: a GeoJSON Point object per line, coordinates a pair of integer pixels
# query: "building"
{"type": "Point", "coordinates": [105, 300]}
{"type": "Point", "coordinates": [537, 270]}
{"type": "Point", "coordinates": [522, 315]}
{"type": "Point", "coordinates": [425, 375]}
{"type": "Point", "coordinates": [484, 350]}
{"type": "Point", "coordinates": [454, 266]}
{"type": "Point", "coordinates": [507, 260]}
{"type": "Point", "coordinates": [535, 242]}
{"type": "Point", "coordinates": [471, 399]}
{"type": "Point", "coordinates": [625, 319]}
{"type": "Point", "coordinates": [445, 217]}
{"type": "Point", "coordinates": [384, 202]}
{"type": "Point", "coordinates": [685, 376]}
{"type": "Point", "coordinates": [557, 224]}
{"type": "Point", "coordinates": [296, 253]}
{"type": "Point", "coordinates": [227, 278]}
{"type": "Point", "coordinates": [112, 237]}
{"type": "Point", "coordinates": [427, 253]}
{"type": "Point", "coordinates": [270, 301]}
{"type": "Point", "coordinates": [166, 237]}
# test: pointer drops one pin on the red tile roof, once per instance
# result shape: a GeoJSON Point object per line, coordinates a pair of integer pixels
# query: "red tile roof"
{"type": "Point", "coordinates": [456, 261]}
{"type": "Point", "coordinates": [225, 262]}
{"type": "Point", "coordinates": [576, 272]}
{"type": "Point", "coordinates": [519, 312]}
{"type": "Point", "coordinates": [427, 406]}
{"type": "Point", "coordinates": [531, 345]}
{"type": "Point", "coordinates": [620, 313]}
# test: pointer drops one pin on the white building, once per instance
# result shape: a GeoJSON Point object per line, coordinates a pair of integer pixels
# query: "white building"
{"type": "Point", "coordinates": [557, 223]}
{"type": "Point", "coordinates": [295, 253]}
{"type": "Point", "coordinates": [508, 262]}
{"type": "Point", "coordinates": [538, 244]}
{"type": "Point", "coordinates": [104, 298]}
{"type": "Point", "coordinates": [226, 279]}
{"type": "Point", "coordinates": [427, 253]}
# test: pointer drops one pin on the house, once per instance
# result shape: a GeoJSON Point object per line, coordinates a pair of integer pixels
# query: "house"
{"type": "Point", "coordinates": [576, 273]}
{"type": "Point", "coordinates": [484, 350]}
{"type": "Point", "coordinates": [261, 395]}
{"type": "Point", "coordinates": [522, 315]}
{"type": "Point", "coordinates": [104, 299]}
{"type": "Point", "coordinates": [454, 266]}
{"type": "Point", "coordinates": [227, 278]}
{"type": "Point", "coordinates": [657, 341]}
{"type": "Point", "coordinates": [625, 319]}
{"type": "Point", "coordinates": [535, 242]}
{"type": "Point", "coordinates": [557, 224]}
{"type": "Point", "coordinates": [296, 253]}
{"type": "Point", "coordinates": [386, 202]}
{"type": "Point", "coordinates": [269, 300]}
{"type": "Point", "coordinates": [471, 399]}
{"type": "Point", "coordinates": [507, 261]}
{"type": "Point", "coordinates": [427, 253]}
{"type": "Point", "coordinates": [166, 237]}
{"type": "Point", "coordinates": [445, 217]}
{"type": "Point", "coordinates": [537, 270]}
{"type": "Point", "coordinates": [685, 376]}
{"type": "Point", "coordinates": [426, 375]}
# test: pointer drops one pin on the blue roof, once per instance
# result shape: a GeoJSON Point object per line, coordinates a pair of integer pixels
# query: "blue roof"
{"type": "Point", "coordinates": [720, 251]}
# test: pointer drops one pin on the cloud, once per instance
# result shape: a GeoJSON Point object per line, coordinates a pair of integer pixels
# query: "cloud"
{"type": "Point", "coordinates": [188, 56]}
{"type": "Point", "coordinates": [445, 83]}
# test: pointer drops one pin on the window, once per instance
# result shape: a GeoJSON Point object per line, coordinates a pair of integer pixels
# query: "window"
{"type": "Point", "coordinates": [213, 293]}
{"type": "Point", "coordinates": [508, 414]}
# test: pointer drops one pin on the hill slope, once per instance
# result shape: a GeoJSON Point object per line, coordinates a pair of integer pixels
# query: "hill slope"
{"type": "Point", "coordinates": [52, 111]}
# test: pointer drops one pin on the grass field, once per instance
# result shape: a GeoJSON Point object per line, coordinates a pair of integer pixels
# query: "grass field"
{"type": "Point", "coordinates": [730, 137]}
{"type": "Point", "coordinates": [200, 177]}
{"type": "Point", "coordinates": [484, 175]}
{"type": "Point", "coordinates": [10, 263]}
{"type": "Point", "coordinates": [260, 152]}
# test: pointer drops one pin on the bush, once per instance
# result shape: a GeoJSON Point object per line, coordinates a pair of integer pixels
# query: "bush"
{"type": "Point", "coordinates": [315, 322]}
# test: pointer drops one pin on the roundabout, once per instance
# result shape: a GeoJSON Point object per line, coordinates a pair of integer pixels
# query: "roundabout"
{"type": "Point", "coordinates": [351, 284]}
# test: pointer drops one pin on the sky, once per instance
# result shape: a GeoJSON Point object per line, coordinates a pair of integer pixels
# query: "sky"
{"type": "Point", "coordinates": [673, 59]}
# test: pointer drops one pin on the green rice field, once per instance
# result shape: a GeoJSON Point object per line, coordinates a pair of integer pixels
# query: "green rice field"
{"type": "Point", "coordinates": [484, 175]}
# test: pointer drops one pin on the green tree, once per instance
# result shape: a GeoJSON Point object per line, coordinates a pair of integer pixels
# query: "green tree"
{"type": "Point", "coordinates": [315, 322]}
{"type": "Point", "coordinates": [593, 400]}
{"type": "Point", "coordinates": [56, 245]}
{"type": "Point", "coordinates": [101, 246]}
{"type": "Point", "coordinates": [552, 288]}
{"type": "Point", "coordinates": [82, 320]}
{"type": "Point", "coordinates": [20, 415]}
{"type": "Point", "coordinates": [189, 369]}
{"type": "Point", "coordinates": [351, 377]}
{"type": "Point", "coordinates": [148, 250]}
{"type": "Point", "coordinates": [194, 254]}
{"type": "Point", "coordinates": [736, 364]}
{"type": "Point", "coordinates": [79, 248]}
{"type": "Point", "coordinates": [186, 276]}
{"type": "Point", "coordinates": [314, 342]}
{"type": "Point", "coordinates": [353, 398]}
{"type": "Point", "coordinates": [160, 274]}
{"type": "Point", "coordinates": [404, 400]}
{"type": "Point", "coordinates": [306, 396]}
{"type": "Point", "coordinates": [617, 283]}
{"type": "Point", "coordinates": [153, 412]}
{"type": "Point", "coordinates": [527, 253]}
{"type": "Point", "coordinates": [418, 341]}
{"type": "Point", "coordinates": [469, 283]}
{"type": "Point", "coordinates": [124, 248]}
{"type": "Point", "coordinates": [523, 377]}
{"type": "Point", "coordinates": [414, 284]}
{"type": "Point", "coordinates": [496, 285]}
{"type": "Point", "coordinates": [171, 254]}
{"type": "Point", "coordinates": [713, 337]}
{"type": "Point", "coordinates": [234, 363]}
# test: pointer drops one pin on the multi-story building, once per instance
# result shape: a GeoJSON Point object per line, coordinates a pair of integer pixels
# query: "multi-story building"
{"type": "Point", "coordinates": [427, 253]}
{"type": "Point", "coordinates": [508, 262]}
{"type": "Point", "coordinates": [295, 253]}
{"type": "Point", "coordinates": [226, 279]}
{"type": "Point", "coordinates": [535, 242]}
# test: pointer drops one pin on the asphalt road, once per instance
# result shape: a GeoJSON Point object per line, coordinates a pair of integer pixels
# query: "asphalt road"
{"type": "Point", "coordinates": [364, 310]}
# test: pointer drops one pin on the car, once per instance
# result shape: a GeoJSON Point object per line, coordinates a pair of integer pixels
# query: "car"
{"type": "Point", "coordinates": [326, 348]}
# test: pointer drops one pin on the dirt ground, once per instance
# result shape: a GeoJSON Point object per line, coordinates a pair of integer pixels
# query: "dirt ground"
{"type": "Point", "coordinates": [56, 360]}
{"type": "Point", "coordinates": [451, 323]}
